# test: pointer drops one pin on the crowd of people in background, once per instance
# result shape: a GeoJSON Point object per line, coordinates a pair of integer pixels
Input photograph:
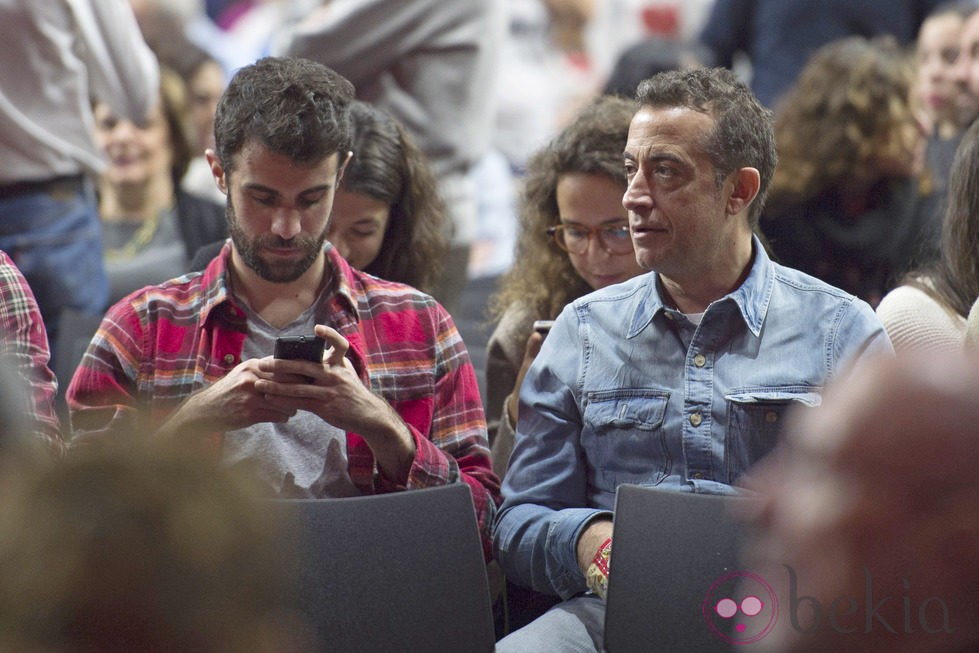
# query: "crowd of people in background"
{"type": "Point", "coordinates": [691, 217]}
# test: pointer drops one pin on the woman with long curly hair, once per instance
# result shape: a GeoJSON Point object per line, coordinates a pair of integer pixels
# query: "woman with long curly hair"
{"type": "Point", "coordinates": [845, 200]}
{"type": "Point", "coordinates": [928, 311]}
{"type": "Point", "coordinates": [573, 238]}
{"type": "Point", "coordinates": [388, 218]}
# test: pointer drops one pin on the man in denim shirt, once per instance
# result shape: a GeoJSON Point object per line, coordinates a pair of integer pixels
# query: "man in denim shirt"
{"type": "Point", "coordinates": [680, 377]}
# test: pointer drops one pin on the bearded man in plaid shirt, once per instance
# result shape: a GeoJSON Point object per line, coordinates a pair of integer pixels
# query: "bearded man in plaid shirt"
{"type": "Point", "coordinates": [393, 405]}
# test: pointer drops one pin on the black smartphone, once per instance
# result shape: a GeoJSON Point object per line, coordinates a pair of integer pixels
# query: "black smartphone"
{"type": "Point", "coordinates": [543, 326]}
{"type": "Point", "coordinates": [308, 348]}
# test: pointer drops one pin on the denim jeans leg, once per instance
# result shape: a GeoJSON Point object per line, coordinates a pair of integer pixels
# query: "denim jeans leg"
{"type": "Point", "coordinates": [56, 241]}
{"type": "Point", "coordinates": [577, 624]}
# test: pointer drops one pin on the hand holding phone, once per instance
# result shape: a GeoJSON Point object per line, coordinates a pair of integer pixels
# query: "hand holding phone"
{"type": "Point", "coordinates": [308, 348]}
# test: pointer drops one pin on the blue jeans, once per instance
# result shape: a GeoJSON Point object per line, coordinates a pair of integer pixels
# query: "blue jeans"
{"type": "Point", "coordinates": [56, 241]}
{"type": "Point", "coordinates": [577, 624]}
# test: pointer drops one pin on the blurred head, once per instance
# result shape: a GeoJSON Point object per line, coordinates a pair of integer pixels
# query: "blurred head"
{"type": "Point", "coordinates": [140, 549]}
{"type": "Point", "coordinates": [967, 65]}
{"type": "Point", "coordinates": [139, 154]}
{"type": "Point", "coordinates": [388, 218]}
{"type": "Point", "coordinates": [936, 50]}
{"type": "Point", "coordinates": [740, 135]}
{"type": "Point", "coordinates": [872, 498]}
{"type": "Point", "coordinates": [205, 83]}
{"type": "Point", "coordinates": [848, 120]}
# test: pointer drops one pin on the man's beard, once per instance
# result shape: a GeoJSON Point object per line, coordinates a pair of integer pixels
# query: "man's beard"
{"type": "Point", "coordinates": [249, 250]}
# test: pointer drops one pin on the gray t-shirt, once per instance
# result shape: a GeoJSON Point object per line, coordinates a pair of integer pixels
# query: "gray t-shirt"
{"type": "Point", "coordinates": [304, 457]}
{"type": "Point", "coordinates": [161, 258]}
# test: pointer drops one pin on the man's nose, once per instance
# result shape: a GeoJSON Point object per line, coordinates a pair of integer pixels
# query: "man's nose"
{"type": "Point", "coordinates": [287, 223]}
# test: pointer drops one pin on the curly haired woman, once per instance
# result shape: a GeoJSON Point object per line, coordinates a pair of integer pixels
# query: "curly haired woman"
{"type": "Point", "coordinates": [573, 238]}
{"type": "Point", "coordinates": [845, 201]}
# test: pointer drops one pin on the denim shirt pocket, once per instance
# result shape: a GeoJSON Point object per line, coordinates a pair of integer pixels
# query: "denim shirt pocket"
{"type": "Point", "coordinates": [624, 436]}
{"type": "Point", "coordinates": [755, 420]}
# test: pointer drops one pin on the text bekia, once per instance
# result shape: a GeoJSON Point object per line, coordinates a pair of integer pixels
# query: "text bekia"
{"type": "Point", "coordinates": [848, 614]}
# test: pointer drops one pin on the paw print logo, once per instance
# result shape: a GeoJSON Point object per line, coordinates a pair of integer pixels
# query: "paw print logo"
{"type": "Point", "coordinates": [740, 608]}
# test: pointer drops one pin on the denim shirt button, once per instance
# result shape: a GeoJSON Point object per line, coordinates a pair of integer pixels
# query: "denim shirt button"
{"type": "Point", "coordinates": [699, 360]}
{"type": "Point", "coordinates": [696, 419]}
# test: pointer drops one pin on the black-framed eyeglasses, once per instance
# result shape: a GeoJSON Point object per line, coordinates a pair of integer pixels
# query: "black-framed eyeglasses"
{"type": "Point", "coordinates": [574, 239]}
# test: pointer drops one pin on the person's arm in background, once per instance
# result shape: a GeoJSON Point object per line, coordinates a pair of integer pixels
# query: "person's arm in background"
{"type": "Point", "coordinates": [24, 345]}
{"type": "Point", "coordinates": [123, 72]}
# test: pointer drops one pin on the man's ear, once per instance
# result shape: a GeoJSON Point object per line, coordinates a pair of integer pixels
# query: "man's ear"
{"type": "Point", "coordinates": [217, 170]}
{"type": "Point", "coordinates": [343, 166]}
{"type": "Point", "coordinates": [746, 182]}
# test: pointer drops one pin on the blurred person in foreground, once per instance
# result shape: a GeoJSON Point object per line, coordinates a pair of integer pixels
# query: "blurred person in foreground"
{"type": "Point", "coordinates": [679, 377]}
{"type": "Point", "coordinates": [870, 508]}
{"type": "Point", "coordinates": [391, 404]}
{"type": "Point", "coordinates": [146, 548]}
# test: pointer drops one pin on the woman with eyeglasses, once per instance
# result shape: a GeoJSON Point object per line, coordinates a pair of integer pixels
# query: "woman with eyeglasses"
{"type": "Point", "coordinates": [573, 238]}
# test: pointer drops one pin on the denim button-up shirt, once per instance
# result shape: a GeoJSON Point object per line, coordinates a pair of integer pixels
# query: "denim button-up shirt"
{"type": "Point", "coordinates": [628, 390]}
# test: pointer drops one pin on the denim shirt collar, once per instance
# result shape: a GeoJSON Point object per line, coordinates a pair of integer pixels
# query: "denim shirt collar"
{"type": "Point", "coordinates": [752, 297]}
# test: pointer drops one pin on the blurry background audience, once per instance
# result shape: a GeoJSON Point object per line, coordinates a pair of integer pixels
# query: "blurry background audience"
{"type": "Point", "coordinates": [151, 225]}
{"type": "Point", "coordinates": [56, 57]}
{"type": "Point", "coordinates": [845, 201]}
{"type": "Point", "coordinates": [431, 64]}
{"type": "Point", "coordinates": [944, 108]}
{"type": "Point", "coordinates": [928, 310]}
{"type": "Point", "coordinates": [770, 41]}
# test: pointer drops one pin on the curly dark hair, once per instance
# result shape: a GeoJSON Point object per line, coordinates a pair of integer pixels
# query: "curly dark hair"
{"type": "Point", "coordinates": [389, 167]}
{"type": "Point", "coordinates": [292, 106]}
{"type": "Point", "coordinates": [542, 276]}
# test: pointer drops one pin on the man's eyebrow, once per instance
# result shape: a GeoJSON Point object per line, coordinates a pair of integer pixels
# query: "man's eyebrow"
{"type": "Point", "coordinates": [259, 187]}
{"type": "Point", "coordinates": [653, 156]}
{"type": "Point", "coordinates": [322, 188]}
